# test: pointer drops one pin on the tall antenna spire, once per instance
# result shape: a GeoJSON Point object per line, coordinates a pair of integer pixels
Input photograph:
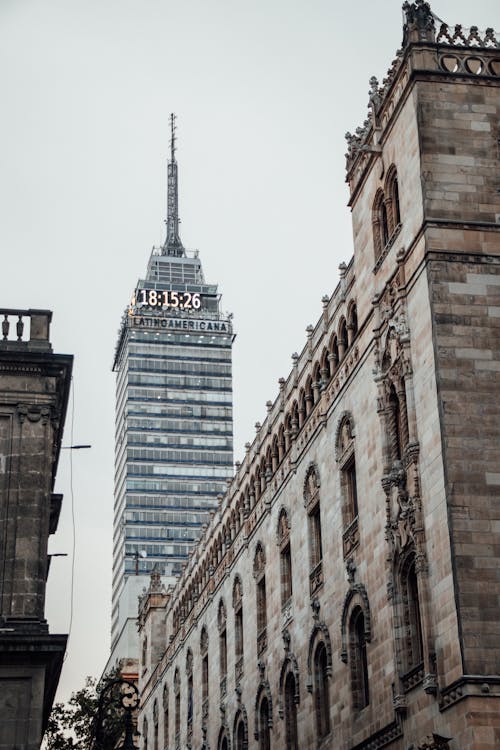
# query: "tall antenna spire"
{"type": "Point", "coordinates": [173, 244]}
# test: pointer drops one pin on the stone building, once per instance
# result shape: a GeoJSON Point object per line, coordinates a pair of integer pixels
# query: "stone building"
{"type": "Point", "coordinates": [34, 388]}
{"type": "Point", "coordinates": [346, 591]}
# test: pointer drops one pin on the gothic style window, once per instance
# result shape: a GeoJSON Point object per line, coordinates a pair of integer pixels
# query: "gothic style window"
{"type": "Point", "coordinates": [177, 698]}
{"type": "Point", "coordinates": [259, 572]}
{"type": "Point", "coordinates": [321, 691]}
{"type": "Point", "coordinates": [353, 320]}
{"type": "Point", "coordinates": [380, 224]}
{"type": "Point", "coordinates": [285, 558]}
{"type": "Point", "coordinates": [392, 200]}
{"type": "Point", "coordinates": [311, 501]}
{"type": "Point", "coordinates": [238, 628]}
{"type": "Point", "coordinates": [165, 718]}
{"type": "Point", "coordinates": [145, 734]}
{"type": "Point", "coordinates": [412, 622]}
{"type": "Point", "coordinates": [343, 339]}
{"type": "Point", "coordinates": [358, 661]}
{"type": "Point", "coordinates": [189, 696]}
{"type": "Point", "coordinates": [240, 730]}
{"type": "Point", "coordinates": [223, 744]}
{"type": "Point", "coordinates": [239, 736]}
{"type": "Point", "coordinates": [144, 655]}
{"type": "Point", "coordinates": [398, 420]}
{"type": "Point", "coordinates": [155, 725]}
{"type": "Point", "coordinates": [291, 713]}
{"type": "Point", "coordinates": [264, 730]}
{"type": "Point", "coordinates": [348, 484]}
{"type": "Point", "coordinates": [221, 621]}
{"type": "Point", "coordinates": [204, 672]}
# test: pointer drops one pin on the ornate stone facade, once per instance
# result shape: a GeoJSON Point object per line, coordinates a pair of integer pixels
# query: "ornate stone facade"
{"type": "Point", "coordinates": [345, 594]}
{"type": "Point", "coordinates": [34, 388]}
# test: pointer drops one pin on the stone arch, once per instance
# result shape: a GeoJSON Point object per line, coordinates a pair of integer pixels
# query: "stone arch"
{"type": "Point", "coordinates": [240, 718]}
{"type": "Point", "coordinates": [302, 407]}
{"type": "Point", "coordinates": [259, 559]}
{"type": "Point", "coordinates": [223, 740]}
{"type": "Point", "coordinates": [319, 633]}
{"type": "Point", "coordinates": [281, 443]}
{"type": "Point", "coordinates": [356, 595]}
{"type": "Point", "coordinates": [289, 664]}
{"type": "Point", "coordinates": [263, 691]}
{"type": "Point", "coordinates": [345, 418]}
{"type": "Point", "coordinates": [237, 590]}
{"type": "Point", "coordinates": [352, 318]}
{"type": "Point", "coordinates": [391, 187]}
{"type": "Point", "coordinates": [312, 482]}
{"type": "Point", "coordinates": [325, 369]}
{"type": "Point", "coordinates": [379, 224]}
{"type": "Point", "coordinates": [282, 524]}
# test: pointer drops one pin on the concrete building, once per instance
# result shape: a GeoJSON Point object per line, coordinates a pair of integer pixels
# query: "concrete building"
{"type": "Point", "coordinates": [346, 592]}
{"type": "Point", "coordinates": [174, 421]}
{"type": "Point", "coordinates": [34, 388]}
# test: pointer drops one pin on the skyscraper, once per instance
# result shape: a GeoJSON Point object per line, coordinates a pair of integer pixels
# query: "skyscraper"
{"type": "Point", "coordinates": [174, 421]}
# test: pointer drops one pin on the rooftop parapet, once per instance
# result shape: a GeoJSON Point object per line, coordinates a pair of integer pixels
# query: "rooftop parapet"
{"type": "Point", "coordinates": [25, 330]}
{"type": "Point", "coordinates": [421, 28]}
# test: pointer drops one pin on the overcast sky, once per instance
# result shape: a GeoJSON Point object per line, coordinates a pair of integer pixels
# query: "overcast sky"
{"type": "Point", "coordinates": [264, 91]}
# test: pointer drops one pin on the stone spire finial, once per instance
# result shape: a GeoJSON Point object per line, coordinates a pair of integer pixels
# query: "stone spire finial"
{"type": "Point", "coordinates": [419, 22]}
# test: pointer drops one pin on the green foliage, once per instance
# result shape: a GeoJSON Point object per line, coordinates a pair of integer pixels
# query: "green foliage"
{"type": "Point", "coordinates": [72, 726]}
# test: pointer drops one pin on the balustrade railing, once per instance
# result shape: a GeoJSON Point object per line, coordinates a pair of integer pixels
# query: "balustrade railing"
{"type": "Point", "coordinates": [25, 329]}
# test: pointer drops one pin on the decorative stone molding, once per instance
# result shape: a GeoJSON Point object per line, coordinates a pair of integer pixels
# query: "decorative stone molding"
{"type": "Point", "coordinates": [319, 633]}
{"type": "Point", "coordinates": [356, 593]}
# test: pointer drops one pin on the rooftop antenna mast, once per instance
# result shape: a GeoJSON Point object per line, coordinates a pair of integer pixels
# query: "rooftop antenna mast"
{"type": "Point", "coordinates": [173, 244]}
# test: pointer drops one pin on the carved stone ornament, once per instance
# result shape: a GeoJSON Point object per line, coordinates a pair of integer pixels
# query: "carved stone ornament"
{"type": "Point", "coordinates": [34, 413]}
{"type": "Point", "coordinates": [401, 510]}
{"type": "Point", "coordinates": [434, 742]}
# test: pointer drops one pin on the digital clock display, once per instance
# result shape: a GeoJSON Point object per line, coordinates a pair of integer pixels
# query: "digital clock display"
{"type": "Point", "coordinates": [166, 298]}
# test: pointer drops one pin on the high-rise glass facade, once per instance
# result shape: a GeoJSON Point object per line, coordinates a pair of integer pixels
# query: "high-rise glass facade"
{"type": "Point", "coordinates": [174, 422]}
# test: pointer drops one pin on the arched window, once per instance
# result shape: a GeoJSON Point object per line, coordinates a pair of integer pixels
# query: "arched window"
{"type": "Point", "coordinates": [264, 730]}
{"type": "Point", "coordinates": [189, 694]}
{"type": "Point", "coordinates": [348, 483]}
{"type": "Point", "coordinates": [155, 725]}
{"type": "Point", "coordinates": [177, 698]}
{"type": "Point", "coordinates": [166, 727]}
{"type": "Point", "coordinates": [358, 660]}
{"type": "Point", "coordinates": [412, 621]}
{"type": "Point", "coordinates": [392, 200]}
{"type": "Point", "coordinates": [144, 654]}
{"type": "Point", "coordinates": [398, 421]}
{"type": "Point", "coordinates": [204, 672]}
{"type": "Point", "coordinates": [238, 628]}
{"type": "Point", "coordinates": [145, 734]}
{"type": "Point", "coordinates": [291, 712]}
{"type": "Point", "coordinates": [223, 743]}
{"type": "Point", "coordinates": [259, 572]}
{"type": "Point", "coordinates": [221, 621]}
{"type": "Point", "coordinates": [240, 730]}
{"type": "Point", "coordinates": [321, 691]}
{"type": "Point", "coordinates": [380, 224]}
{"type": "Point", "coordinates": [239, 738]}
{"type": "Point", "coordinates": [312, 504]}
{"type": "Point", "coordinates": [285, 558]}
{"type": "Point", "coordinates": [343, 339]}
{"type": "Point", "coordinates": [352, 325]}
{"type": "Point", "coordinates": [334, 353]}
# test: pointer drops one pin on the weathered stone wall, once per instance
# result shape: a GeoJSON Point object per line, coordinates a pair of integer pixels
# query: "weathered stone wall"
{"type": "Point", "coordinates": [34, 387]}
{"type": "Point", "coordinates": [465, 294]}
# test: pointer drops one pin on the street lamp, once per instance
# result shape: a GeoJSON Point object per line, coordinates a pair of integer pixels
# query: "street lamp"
{"type": "Point", "coordinates": [128, 699]}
